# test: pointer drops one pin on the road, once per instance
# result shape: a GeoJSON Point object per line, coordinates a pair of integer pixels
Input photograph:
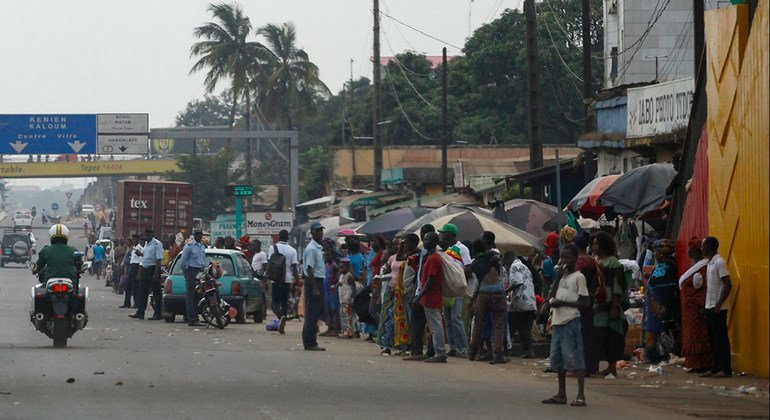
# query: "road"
{"type": "Point", "coordinates": [124, 368]}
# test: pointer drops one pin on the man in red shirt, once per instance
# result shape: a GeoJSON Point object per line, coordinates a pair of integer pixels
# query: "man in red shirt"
{"type": "Point", "coordinates": [431, 280]}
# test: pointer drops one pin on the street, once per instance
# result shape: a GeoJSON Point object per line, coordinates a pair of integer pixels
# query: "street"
{"type": "Point", "coordinates": [123, 368]}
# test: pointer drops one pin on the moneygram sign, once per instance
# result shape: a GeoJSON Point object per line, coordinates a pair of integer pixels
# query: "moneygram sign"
{"type": "Point", "coordinates": [659, 109]}
{"type": "Point", "coordinates": [268, 223]}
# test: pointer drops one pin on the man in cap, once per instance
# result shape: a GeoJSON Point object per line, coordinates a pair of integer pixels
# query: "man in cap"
{"type": "Point", "coordinates": [458, 339]}
{"type": "Point", "coordinates": [315, 272]}
{"type": "Point", "coordinates": [192, 262]}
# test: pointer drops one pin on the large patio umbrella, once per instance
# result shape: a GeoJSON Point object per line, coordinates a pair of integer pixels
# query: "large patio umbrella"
{"type": "Point", "coordinates": [440, 212]}
{"type": "Point", "coordinates": [585, 201]}
{"type": "Point", "coordinates": [531, 216]}
{"type": "Point", "coordinates": [390, 223]}
{"type": "Point", "coordinates": [470, 226]}
{"type": "Point", "coordinates": [639, 191]}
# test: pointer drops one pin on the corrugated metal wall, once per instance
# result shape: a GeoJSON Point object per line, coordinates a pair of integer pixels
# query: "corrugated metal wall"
{"type": "Point", "coordinates": [695, 220]}
{"type": "Point", "coordinates": [738, 91]}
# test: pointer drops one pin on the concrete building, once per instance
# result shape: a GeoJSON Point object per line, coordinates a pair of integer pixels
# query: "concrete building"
{"type": "Point", "coordinates": [640, 35]}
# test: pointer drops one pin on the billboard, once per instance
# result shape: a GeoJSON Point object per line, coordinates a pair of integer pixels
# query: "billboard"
{"type": "Point", "coordinates": [268, 223]}
{"type": "Point", "coordinates": [659, 109]}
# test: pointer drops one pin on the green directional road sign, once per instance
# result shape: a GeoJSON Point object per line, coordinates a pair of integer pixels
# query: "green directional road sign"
{"type": "Point", "coordinates": [239, 190]}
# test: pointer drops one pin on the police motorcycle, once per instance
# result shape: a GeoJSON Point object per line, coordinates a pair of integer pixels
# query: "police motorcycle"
{"type": "Point", "coordinates": [58, 305]}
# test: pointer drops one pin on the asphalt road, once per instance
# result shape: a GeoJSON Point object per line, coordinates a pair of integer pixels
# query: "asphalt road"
{"type": "Point", "coordinates": [123, 368]}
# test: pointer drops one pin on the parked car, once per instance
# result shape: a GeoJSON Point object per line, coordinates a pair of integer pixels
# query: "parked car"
{"type": "Point", "coordinates": [17, 247]}
{"type": "Point", "coordinates": [240, 288]}
{"type": "Point", "coordinates": [87, 209]}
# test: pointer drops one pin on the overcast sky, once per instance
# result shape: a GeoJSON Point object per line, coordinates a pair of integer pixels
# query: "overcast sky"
{"type": "Point", "coordinates": [91, 56]}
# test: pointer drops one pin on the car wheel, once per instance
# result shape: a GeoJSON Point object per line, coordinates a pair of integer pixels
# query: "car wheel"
{"type": "Point", "coordinates": [169, 318]}
{"type": "Point", "coordinates": [261, 314]}
{"type": "Point", "coordinates": [241, 317]}
{"type": "Point", "coordinates": [2, 263]}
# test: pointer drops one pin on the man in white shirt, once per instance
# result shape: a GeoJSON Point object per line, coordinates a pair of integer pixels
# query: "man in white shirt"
{"type": "Point", "coordinates": [282, 286]}
{"type": "Point", "coordinates": [718, 287]}
{"type": "Point", "coordinates": [132, 288]}
{"type": "Point", "coordinates": [259, 260]}
{"type": "Point", "coordinates": [571, 293]}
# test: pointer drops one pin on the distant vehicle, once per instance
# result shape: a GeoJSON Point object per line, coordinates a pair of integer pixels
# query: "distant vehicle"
{"type": "Point", "coordinates": [106, 233]}
{"type": "Point", "coordinates": [87, 209]}
{"type": "Point", "coordinates": [17, 247]}
{"type": "Point", "coordinates": [240, 289]}
{"type": "Point", "coordinates": [22, 220]}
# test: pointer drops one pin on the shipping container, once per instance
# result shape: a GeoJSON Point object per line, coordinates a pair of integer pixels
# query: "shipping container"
{"type": "Point", "coordinates": [165, 207]}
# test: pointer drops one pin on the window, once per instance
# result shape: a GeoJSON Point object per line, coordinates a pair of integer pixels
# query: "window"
{"type": "Point", "coordinates": [225, 261]}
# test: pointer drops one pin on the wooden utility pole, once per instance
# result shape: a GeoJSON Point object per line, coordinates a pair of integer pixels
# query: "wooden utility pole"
{"type": "Point", "coordinates": [376, 112]}
{"type": "Point", "coordinates": [535, 142]}
{"type": "Point", "coordinates": [444, 124]}
{"type": "Point", "coordinates": [698, 33]}
{"type": "Point", "coordinates": [588, 171]}
{"type": "Point", "coordinates": [348, 128]}
{"type": "Point", "coordinates": [587, 73]}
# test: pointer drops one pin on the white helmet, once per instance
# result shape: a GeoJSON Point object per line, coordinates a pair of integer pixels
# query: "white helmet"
{"type": "Point", "coordinates": [59, 231]}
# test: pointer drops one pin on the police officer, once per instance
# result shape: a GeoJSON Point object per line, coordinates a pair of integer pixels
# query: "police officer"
{"type": "Point", "coordinates": [58, 259]}
{"type": "Point", "coordinates": [152, 257]}
{"type": "Point", "coordinates": [192, 261]}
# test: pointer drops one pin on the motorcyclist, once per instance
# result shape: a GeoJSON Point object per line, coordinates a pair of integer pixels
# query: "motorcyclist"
{"type": "Point", "coordinates": [58, 259]}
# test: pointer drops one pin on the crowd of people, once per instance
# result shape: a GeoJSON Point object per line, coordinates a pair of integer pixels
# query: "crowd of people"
{"type": "Point", "coordinates": [393, 294]}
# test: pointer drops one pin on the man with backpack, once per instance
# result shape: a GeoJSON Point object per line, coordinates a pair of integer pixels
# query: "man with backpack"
{"type": "Point", "coordinates": [281, 270]}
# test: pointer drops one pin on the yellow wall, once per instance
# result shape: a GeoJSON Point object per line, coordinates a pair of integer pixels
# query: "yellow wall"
{"type": "Point", "coordinates": [739, 157]}
{"type": "Point", "coordinates": [430, 156]}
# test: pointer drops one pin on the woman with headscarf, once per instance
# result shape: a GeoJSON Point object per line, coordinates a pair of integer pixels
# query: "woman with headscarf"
{"type": "Point", "coordinates": [692, 291]}
{"type": "Point", "coordinates": [661, 306]}
{"type": "Point", "coordinates": [610, 323]}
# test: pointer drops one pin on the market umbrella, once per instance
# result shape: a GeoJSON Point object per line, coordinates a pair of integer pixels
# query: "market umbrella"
{"type": "Point", "coordinates": [440, 212]}
{"type": "Point", "coordinates": [470, 226]}
{"type": "Point", "coordinates": [390, 223]}
{"type": "Point", "coordinates": [639, 191]}
{"type": "Point", "coordinates": [585, 201]}
{"type": "Point", "coordinates": [532, 216]}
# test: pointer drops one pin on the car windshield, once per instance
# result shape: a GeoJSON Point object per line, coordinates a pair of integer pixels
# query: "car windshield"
{"type": "Point", "coordinates": [224, 260]}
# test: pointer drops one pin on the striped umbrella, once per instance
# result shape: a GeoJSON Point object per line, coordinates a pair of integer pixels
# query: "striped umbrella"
{"type": "Point", "coordinates": [470, 226]}
{"type": "Point", "coordinates": [586, 201]}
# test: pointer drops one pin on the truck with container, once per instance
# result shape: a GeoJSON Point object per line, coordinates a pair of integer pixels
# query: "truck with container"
{"type": "Point", "coordinates": [165, 207]}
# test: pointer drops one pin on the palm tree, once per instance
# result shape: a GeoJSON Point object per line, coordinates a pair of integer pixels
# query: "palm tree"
{"type": "Point", "coordinates": [291, 87]}
{"type": "Point", "coordinates": [227, 54]}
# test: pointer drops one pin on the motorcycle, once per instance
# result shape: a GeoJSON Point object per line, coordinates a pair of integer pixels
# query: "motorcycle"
{"type": "Point", "coordinates": [58, 307]}
{"type": "Point", "coordinates": [211, 307]}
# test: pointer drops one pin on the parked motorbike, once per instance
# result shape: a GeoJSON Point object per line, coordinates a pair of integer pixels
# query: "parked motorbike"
{"type": "Point", "coordinates": [211, 307]}
{"type": "Point", "coordinates": [58, 307]}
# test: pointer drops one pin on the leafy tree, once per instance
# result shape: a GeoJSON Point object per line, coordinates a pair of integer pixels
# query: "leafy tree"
{"type": "Point", "coordinates": [290, 88]}
{"type": "Point", "coordinates": [227, 53]}
{"type": "Point", "coordinates": [209, 175]}
{"type": "Point", "coordinates": [207, 112]}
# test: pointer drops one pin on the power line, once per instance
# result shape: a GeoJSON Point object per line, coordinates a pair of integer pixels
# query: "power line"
{"type": "Point", "coordinates": [548, 30]}
{"type": "Point", "coordinates": [400, 107]}
{"type": "Point", "coordinates": [640, 42]}
{"type": "Point", "coordinates": [400, 67]}
{"type": "Point", "coordinates": [678, 52]}
{"type": "Point", "coordinates": [419, 31]}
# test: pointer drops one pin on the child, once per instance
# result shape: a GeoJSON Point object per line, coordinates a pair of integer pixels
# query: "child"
{"type": "Point", "coordinates": [347, 288]}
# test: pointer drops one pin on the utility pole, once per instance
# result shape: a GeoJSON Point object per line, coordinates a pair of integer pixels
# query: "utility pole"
{"type": "Point", "coordinates": [376, 114]}
{"type": "Point", "coordinates": [347, 128]}
{"type": "Point", "coordinates": [535, 143]}
{"type": "Point", "coordinates": [698, 33]}
{"type": "Point", "coordinates": [588, 161]}
{"type": "Point", "coordinates": [444, 125]}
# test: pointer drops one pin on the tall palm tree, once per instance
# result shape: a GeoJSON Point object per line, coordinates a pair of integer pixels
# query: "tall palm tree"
{"type": "Point", "coordinates": [291, 85]}
{"type": "Point", "coordinates": [227, 54]}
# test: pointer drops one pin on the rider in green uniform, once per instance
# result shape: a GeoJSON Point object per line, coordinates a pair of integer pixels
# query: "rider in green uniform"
{"type": "Point", "coordinates": [58, 259]}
